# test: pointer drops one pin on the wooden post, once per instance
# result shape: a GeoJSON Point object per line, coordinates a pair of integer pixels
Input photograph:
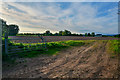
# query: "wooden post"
{"type": "Point", "coordinates": [6, 43]}
{"type": "Point", "coordinates": [30, 47]}
{"type": "Point", "coordinates": [45, 43]}
{"type": "Point", "coordinates": [43, 40]}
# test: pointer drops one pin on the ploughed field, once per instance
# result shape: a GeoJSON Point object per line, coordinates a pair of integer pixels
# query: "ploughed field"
{"type": "Point", "coordinates": [36, 39]}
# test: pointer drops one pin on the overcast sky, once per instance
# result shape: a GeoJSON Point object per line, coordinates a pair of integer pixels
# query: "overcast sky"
{"type": "Point", "coordinates": [78, 17]}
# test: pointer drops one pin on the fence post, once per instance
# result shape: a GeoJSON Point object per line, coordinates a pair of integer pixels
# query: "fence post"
{"type": "Point", "coordinates": [6, 43]}
{"type": "Point", "coordinates": [45, 43]}
{"type": "Point", "coordinates": [30, 47]}
{"type": "Point", "coordinates": [43, 40]}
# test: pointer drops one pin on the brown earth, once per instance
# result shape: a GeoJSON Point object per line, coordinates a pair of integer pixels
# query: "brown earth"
{"type": "Point", "coordinates": [36, 39]}
{"type": "Point", "coordinates": [88, 61]}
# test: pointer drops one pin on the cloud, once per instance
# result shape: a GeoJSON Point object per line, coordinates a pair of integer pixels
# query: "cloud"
{"type": "Point", "coordinates": [60, 0]}
{"type": "Point", "coordinates": [76, 17]}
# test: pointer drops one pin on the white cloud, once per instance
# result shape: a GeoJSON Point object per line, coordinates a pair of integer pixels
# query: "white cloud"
{"type": "Point", "coordinates": [78, 17]}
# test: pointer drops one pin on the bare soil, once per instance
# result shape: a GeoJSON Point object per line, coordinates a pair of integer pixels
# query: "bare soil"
{"type": "Point", "coordinates": [88, 61]}
{"type": "Point", "coordinates": [36, 39]}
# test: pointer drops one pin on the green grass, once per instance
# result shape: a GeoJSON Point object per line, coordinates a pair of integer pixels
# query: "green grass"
{"type": "Point", "coordinates": [114, 47]}
{"type": "Point", "coordinates": [52, 47]}
{"type": "Point", "coordinates": [37, 53]}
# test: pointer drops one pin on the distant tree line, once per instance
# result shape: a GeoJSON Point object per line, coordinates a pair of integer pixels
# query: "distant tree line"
{"type": "Point", "coordinates": [118, 35]}
{"type": "Point", "coordinates": [65, 33]}
{"type": "Point", "coordinates": [60, 33]}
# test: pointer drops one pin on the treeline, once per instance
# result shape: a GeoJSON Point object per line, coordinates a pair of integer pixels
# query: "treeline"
{"type": "Point", "coordinates": [66, 33]}
{"type": "Point", "coordinates": [118, 35]}
{"type": "Point", "coordinates": [9, 30]}
{"type": "Point", "coordinates": [60, 33]}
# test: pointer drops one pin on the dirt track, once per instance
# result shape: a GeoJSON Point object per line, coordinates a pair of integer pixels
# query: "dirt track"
{"type": "Point", "coordinates": [89, 61]}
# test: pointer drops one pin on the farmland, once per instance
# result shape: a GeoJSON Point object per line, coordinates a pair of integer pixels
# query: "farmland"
{"type": "Point", "coordinates": [60, 40]}
{"type": "Point", "coordinates": [36, 39]}
{"type": "Point", "coordinates": [69, 59]}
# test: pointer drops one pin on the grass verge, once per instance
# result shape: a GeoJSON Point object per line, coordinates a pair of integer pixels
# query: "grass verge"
{"type": "Point", "coordinates": [52, 48]}
{"type": "Point", "coordinates": [114, 47]}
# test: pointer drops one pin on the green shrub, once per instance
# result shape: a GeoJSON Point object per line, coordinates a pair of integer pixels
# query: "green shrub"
{"type": "Point", "coordinates": [114, 46]}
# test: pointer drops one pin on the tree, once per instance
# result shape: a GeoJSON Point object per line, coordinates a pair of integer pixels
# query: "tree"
{"type": "Point", "coordinates": [13, 29]}
{"type": "Point", "coordinates": [56, 34]}
{"type": "Point", "coordinates": [4, 28]}
{"type": "Point", "coordinates": [63, 33]}
{"type": "Point", "coordinates": [89, 34]}
{"type": "Point", "coordinates": [93, 34]}
{"type": "Point", "coordinates": [67, 33]}
{"type": "Point", "coordinates": [51, 34]}
{"type": "Point", "coordinates": [47, 33]}
{"type": "Point", "coordinates": [81, 35]}
{"type": "Point", "coordinates": [60, 33]}
{"type": "Point", "coordinates": [5, 31]}
{"type": "Point", "coordinates": [86, 34]}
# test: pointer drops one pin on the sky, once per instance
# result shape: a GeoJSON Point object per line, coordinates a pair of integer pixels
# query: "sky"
{"type": "Point", "coordinates": [60, 0]}
{"type": "Point", "coordinates": [78, 17]}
